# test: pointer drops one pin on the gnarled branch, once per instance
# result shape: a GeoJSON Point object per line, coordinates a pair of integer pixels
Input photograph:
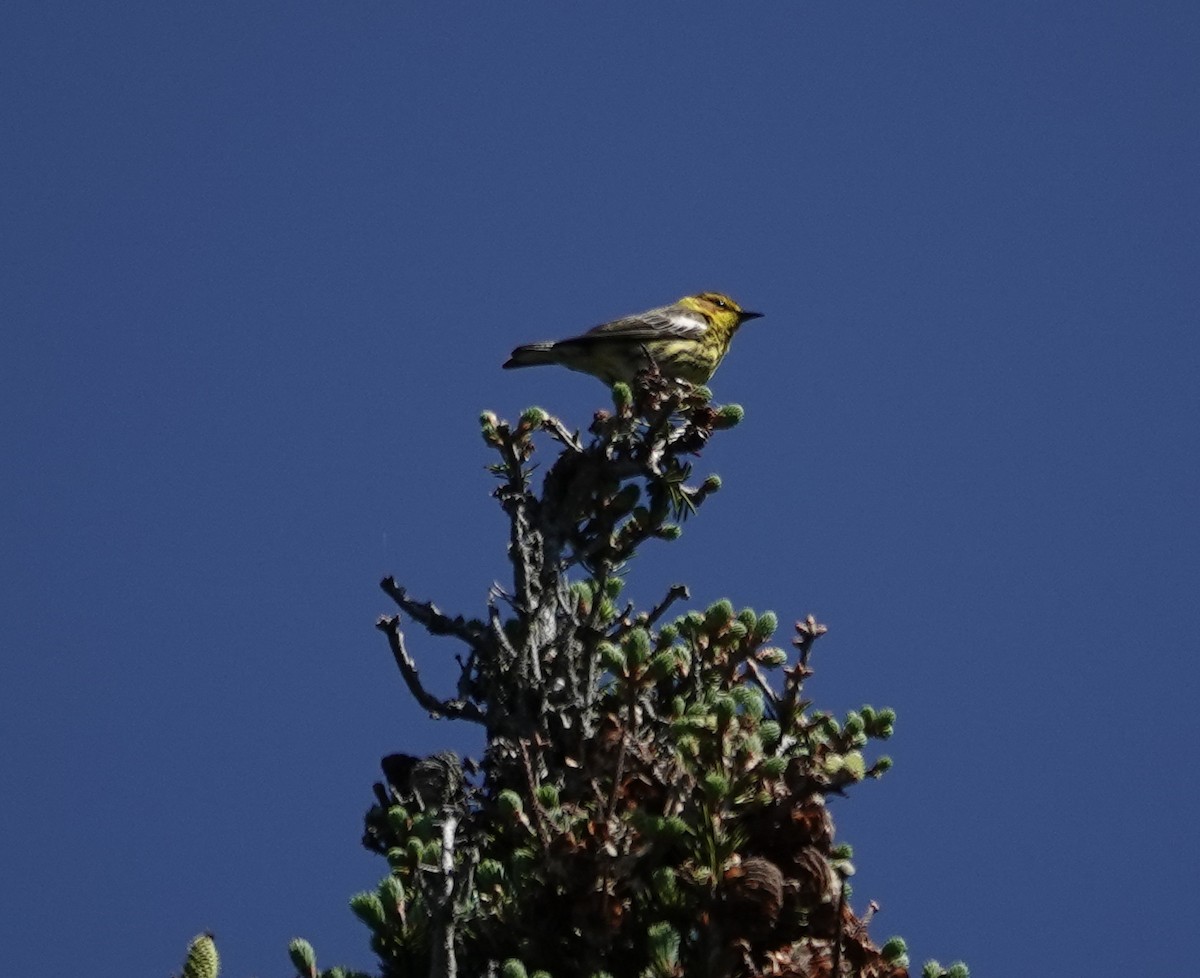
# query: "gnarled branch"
{"type": "Point", "coordinates": [463, 709]}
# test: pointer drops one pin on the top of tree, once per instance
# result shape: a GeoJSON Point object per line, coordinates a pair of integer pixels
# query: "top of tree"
{"type": "Point", "coordinates": [650, 801]}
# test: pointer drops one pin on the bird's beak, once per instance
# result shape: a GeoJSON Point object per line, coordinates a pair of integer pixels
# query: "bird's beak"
{"type": "Point", "coordinates": [743, 316]}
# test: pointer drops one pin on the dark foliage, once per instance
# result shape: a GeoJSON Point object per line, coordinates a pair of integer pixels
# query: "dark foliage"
{"type": "Point", "coordinates": [651, 799]}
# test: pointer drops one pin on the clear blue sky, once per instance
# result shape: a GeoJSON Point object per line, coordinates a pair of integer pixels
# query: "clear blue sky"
{"type": "Point", "coordinates": [261, 264]}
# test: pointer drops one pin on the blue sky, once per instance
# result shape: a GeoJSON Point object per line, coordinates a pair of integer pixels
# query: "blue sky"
{"type": "Point", "coordinates": [261, 263]}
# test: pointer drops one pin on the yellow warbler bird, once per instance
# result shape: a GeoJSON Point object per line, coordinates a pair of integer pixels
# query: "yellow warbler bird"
{"type": "Point", "coordinates": [686, 340]}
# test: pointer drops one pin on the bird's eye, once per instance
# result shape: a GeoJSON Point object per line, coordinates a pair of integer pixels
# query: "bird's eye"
{"type": "Point", "coordinates": [720, 303]}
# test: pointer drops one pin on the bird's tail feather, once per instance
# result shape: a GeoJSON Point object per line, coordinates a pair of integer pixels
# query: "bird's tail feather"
{"type": "Point", "coordinates": [533, 355]}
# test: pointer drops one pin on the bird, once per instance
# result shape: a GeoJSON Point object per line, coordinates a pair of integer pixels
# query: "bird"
{"type": "Point", "coordinates": [686, 340]}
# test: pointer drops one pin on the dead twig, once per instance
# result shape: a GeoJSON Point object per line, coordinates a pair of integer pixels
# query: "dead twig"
{"type": "Point", "coordinates": [432, 619]}
{"type": "Point", "coordinates": [463, 709]}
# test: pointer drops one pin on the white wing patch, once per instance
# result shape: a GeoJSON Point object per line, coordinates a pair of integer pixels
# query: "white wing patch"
{"type": "Point", "coordinates": [687, 325]}
{"type": "Point", "coordinates": [656, 324]}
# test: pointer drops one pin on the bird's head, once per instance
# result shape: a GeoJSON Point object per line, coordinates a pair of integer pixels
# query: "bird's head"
{"type": "Point", "coordinates": [719, 307]}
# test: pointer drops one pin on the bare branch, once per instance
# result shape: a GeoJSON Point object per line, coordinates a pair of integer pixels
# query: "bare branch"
{"type": "Point", "coordinates": [443, 962]}
{"type": "Point", "coordinates": [408, 669]}
{"type": "Point", "coordinates": [498, 635]}
{"type": "Point", "coordinates": [558, 431]}
{"type": "Point", "coordinates": [761, 682]}
{"type": "Point", "coordinates": [841, 922]}
{"type": "Point", "coordinates": [433, 620]}
{"type": "Point", "coordinates": [677, 592]}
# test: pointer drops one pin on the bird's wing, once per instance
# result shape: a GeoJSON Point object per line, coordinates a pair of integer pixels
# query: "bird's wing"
{"type": "Point", "coordinates": [657, 324]}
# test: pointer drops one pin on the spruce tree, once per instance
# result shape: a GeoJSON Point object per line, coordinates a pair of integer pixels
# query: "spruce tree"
{"type": "Point", "coordinates": [651, 798]}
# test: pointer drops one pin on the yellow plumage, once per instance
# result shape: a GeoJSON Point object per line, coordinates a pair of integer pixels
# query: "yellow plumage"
{"type": "Point", "coordinates": [686, 340]}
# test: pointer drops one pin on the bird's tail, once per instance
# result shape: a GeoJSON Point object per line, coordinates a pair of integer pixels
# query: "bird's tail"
{"type": "Point", "coordinates": [533, 355]}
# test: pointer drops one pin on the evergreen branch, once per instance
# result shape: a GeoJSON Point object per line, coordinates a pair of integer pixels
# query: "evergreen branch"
{"type": "Point", "coordinates": [539, 816]}
{"type": "Point", "coordinates": [629, 776]}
